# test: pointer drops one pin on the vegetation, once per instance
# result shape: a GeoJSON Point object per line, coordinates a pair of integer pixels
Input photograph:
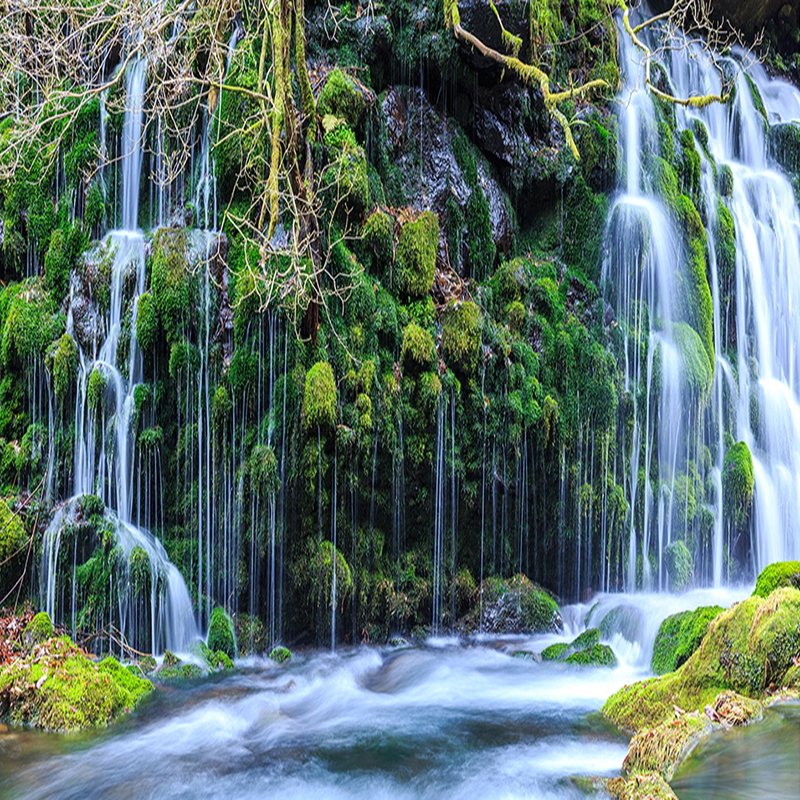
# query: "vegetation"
{"type": "Point", "coordinates": [679, 636]}
{"type": "Point", "coordinates": [221, 636]}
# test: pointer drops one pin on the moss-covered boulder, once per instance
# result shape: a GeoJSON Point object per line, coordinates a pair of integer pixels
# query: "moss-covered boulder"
{"type": "Point", "coordinates": [679, 636]}
{"type": "Point", "coordinates": [58, 687]}
{"type": "Point", "coordinates": [698, 371]}
{"type": "Point", "coordinates": [596, 655]}
{"type": "Point", "coordinates": [415, 260]}
{"type": "Point", "coordinates": [737, 483]}
{"type": "Point", "coordinates": [376, 246]}
{"type": "Point", "coordinates": [341, 97]}
{"type": "Point", "coordinates": [221, 634]}
{"type": "Point", "coordinates": [679, 565]}
{"type": "Point", "coordinates": [213, 660]}
{"type": "Point", "coordinates": [461, 335]}
{"type": "Point", "coordinates": [418, 350]}
{"type": "Point", "coordinates": [746, 648]}
{"type": "Point", "coordinates": [63, 364]}
{"type": "Point", "coordinates": [38, 630]}
{"type": "Point", "coordinates": [561, 651]}
{"type": "Point", "coordinates": [774, 576]}
{"type": "Point", "coordinates": [515, 605]}
{"type": "Point", "coordinates": [319, 396]}
{"type": "Point", "coordinates": [280, 654]}
{"type": "Point", "coordinates": [626, 620]}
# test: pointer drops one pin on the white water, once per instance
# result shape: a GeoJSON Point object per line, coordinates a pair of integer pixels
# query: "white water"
{"type": "Point", "coordinates": [104, 447]}
{"type": "Point", "coordinates": [644, 247]}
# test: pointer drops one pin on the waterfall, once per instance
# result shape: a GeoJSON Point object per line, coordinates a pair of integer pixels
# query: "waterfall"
{"type": "Point", "coordinates": [109, 472]}
{"type": "Point", "coordinates": [697, 388]}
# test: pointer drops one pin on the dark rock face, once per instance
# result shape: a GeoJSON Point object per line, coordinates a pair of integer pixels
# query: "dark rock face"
{"type": "Point", "coordinates": [413, 126]}
{"type": "Point", "coordinates": [478, 18]}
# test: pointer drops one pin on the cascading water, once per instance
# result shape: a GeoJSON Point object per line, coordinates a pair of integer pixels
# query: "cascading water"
{"type": "Point", "coordinates": [695, 387]}
{"type": "Point", "coordinates": [104, 463]}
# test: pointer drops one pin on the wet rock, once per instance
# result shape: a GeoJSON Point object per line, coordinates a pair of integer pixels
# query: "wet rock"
{"type": "Point", "coordinates": [479, 19]}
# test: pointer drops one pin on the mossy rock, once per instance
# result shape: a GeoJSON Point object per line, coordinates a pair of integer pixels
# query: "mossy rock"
{"type": "Point", "coordinates": [554, 652]}
{"type": "Point", "coordinates": [679, 565]}
{"type": "Point", "coordinates": [461, 335]}
{"type": "Point", "coordinates": [146, 323]}
{"type": "Point", "coordinates": [346, 180]}
{"type": "Point", "coordinates": [774, 576]}
{"type": "Point", "coordinates": [596, 655]}
{"type": "Point", "coordinates": [679, 636]}
{"type": "Point", "coordinates": [63, 362]}
{"type": "Point", "coordinates": [173, 284]}
{"type": "Point", "coordinates": [59, 688]}
{"type": "Point", "coordinates": [697, 372]}
{"type": "Point", "coordinates": [319, 396]}
{"type": "Point", "coordinates": [415, 260]}
{"type": "Point", "coordinates": [588, 638]}
{"type": "Point", "coordinates": [221, 634]}
{"type": "Point", "coordinates": [514, 605]}
{"type": "Point", "coordinates": [180, 671]}
{"type": "Point", "coordinates": [418, 350]}
{"type": "Point", "coordinates": [280, 654]}
{"type": "Point", "coordinates": [341, 97]}
{"type": "Point", "coordinates": [659, 750]}
{"type": "Point", "coordinates": [745, 649]}
{"type": "Point", "coordinates": [737, 483]}
{"type": "Point", "coordinates": [38, 630]}
{"type": "Point", "coordinates": [251, 635]}
{"type": "Point", "coordinates": [376, 246]}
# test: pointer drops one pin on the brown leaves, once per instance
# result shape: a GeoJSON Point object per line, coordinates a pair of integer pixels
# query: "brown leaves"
{"type": "Point", "coordinates": [11, 628]}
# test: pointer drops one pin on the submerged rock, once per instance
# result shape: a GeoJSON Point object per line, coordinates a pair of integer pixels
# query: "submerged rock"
{"type": "Point", "coordinates": [58, 687]}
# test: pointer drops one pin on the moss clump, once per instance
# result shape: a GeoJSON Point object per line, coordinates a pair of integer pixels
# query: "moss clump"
{"type": "Point", "coordinates": [213, 660]}
{"type": "Point", "coordinates": [597, 655]}
{"type": "Point", "coordinates": [661, 749]}
{"type": "Point", "coordinates": [326, 558]}
{"type": "Point", "coordinates": [172, 283]}
{"type": "Point", "coordinates": [280, 654]}
{"type": "Point", "coordinates": [725, 181]}
{"type": "Point", "coordinates": [697, 372]}
{"type": "Point", "coordinates": [415, 262]}
{"type": "Point", "coordinates": [146, 323]}
{"type": "Point", "coordinates": [263, 467]}
{"type": "Point", "coordinates": [586, 639]}
{"type": "Point", "coordinates": [774, 576]}
{"type": "Point", "coordinates": [737, 483]}
{"type": "Point", "coordinates": [12, 545]}
{"type": "Point", "coordinates": [341, 97]}
{"type": "Point", "coordinates": [97, 390]}
{"type": "Point", "coordinates": [745, 649]}
{"type": "Point", "coordinates": [59, 688]}
{"type": "Point", "coordinates": [418, 350]}
{"type": "Point", "coordinates": [725, 241]}
{"type": "Point", "coordinates": [461, 334]}
{"type": "Point", "coordinates": [319, 396]}
{"type": "Point", "coordinates": [627, 620]}
{"type": "Point", "coordinates": [29, 323]}
{"type": "Point", "coordinates": [679, 565]}
{"type": "Point", "coordinates": [38, 630]}
{"type": "Point", "coordinates": [689, 165]}
{"type": "Point", "coordinates": [63, 357]}
{"type": "Point", "coordinates": [345, 181]}
{"type": "Point", "coordinates": [377, 243]}
{"type": "Point", "coordinates": [221, 634]}
{"type": "Point", "coordinates": [555, 651]}
{"type": "Point", "coordinates": [481, 246]}
{"type": "Point", "coordinates": [679, 636]}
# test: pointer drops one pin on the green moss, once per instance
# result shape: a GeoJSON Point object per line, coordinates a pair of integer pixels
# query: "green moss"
{"type": "Point", "coordinates": [319, 396]}
{"type": "Point", "coordinates": [725, 243]}
{"type": "Point", "coordinates": [57, 266]}
{"type": "Point", "coordinates": [326, 558]}
{"type": "Point", "coordinates": [418, 350]}
{"type": "Point", "coordinates": [598, 655]}
{"type": "Point", "coordinates": [29, 323]}
{"type": "Point", "coordinates": [146, 323]}
{"type": "Point", "coordinates": [280, 654]}
{"type": "Point", "coordinates": [377, 243]}
{"type": "Point", "coordinates": [555, 651]}
{"type": "Point", "coordinates": [516, 314]}
{"type": "Point", "coordinates": [737, 483]}
{"type": "Point", "coordinates": [588, 638]}
{"type": "Point", "coordinates": [694, 293]}
{"type": "Point", "coordinates": [461, 335]}
{"type": "Point", "coordinates": [172, 283]}
{"type": "Point", "coordinates": [679, 636]}
{"type": "Point", "coordinates": [697, 372]}
{"type": "Point", "coordinates": [665, 182]}
{"type": "Point", "coordinates": [345, 182]}
{"type": "Point", "coordinates": [679, 565]}
{"type": "Point", "coordinates": [774, 576]}
{"type": "Point", "coordinates": [221, 634]}
{"type": "Point", "coordinates": [415, 263]}
{"type": "Point", "coordinates": [626, 620]}
{"type": "Point", "coordinates": [12, 541]}
{"type": "Point", "coordinates": [61, 689]}
{"type": "Point", "coordinates": [481, 246]}
{"type": "Point", "coordinates": [64, 365]}
{"type": "Point", "coordinates": [689, 165]}
{"type": "Point", "coordinates": [725, 181]}
{"type": "Point", "coordinates": [38, 630]}
{"type": "Point", "coordinates": [263, 466]}
{"type": "Point", "coordinates": [515, 605]}
{"type": "Point", "coordinates": [745, 649]}
{"type": "Point", "coordinates": [341, 97]}
{"type": "Point", "coordinates": [98, 385]}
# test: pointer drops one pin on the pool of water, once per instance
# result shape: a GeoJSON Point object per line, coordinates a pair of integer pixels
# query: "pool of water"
{"type": "Point", "coordinates": [761, 760]}
{"type": "Point", "coordinates": [443, 721]}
